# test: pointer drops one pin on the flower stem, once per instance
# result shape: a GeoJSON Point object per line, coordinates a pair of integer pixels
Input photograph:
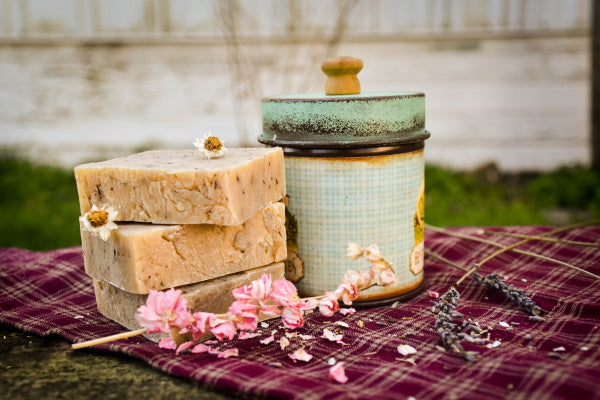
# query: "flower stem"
{"type": "Point", "coordinates": [444, 260]}
{"type": "Point", "coordinates": [528, 253]}
{"type": "Point", "coordinates": [541, 238]}
{"type": "Point", "coordinates": [107, 339]}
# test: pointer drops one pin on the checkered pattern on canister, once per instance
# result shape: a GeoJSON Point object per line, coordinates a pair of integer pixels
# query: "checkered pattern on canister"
{"type": "Point", "coordinates": [365, 200]}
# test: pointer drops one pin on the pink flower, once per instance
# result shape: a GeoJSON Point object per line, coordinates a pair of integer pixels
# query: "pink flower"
{"type": "Point", "coordinates": [293, 317]}
{"type": "Point", "coordinates": [284, 292]}
{"type": "Point", "coordinates": [199, 323]}
{"type": "Point", "coordinates": [347, 292]}
{"type": "Point", "coordinates": [223, 329]}
{"type": "Point", "coordinates": [259, 290]}
{"type": "Point", "coordinates": [233, 352]}
{"type": "Point", "coordinates": [163, 311]}
{"type": "Point", "coordinates": [347, 311]}
{"type": "Point", "coordinates": [329, 304]}
{"type": "Point", "coordinates": [337, 373]}
{"type": "Point", "coordinates": [301, 355]}
{"type": "Point", "coordinates": [385, 278]}
{"type": "Point", "coordinates": [433, 294]}
{"type": "Point", "coordinates": [270, 310]}
{"type": "Point", "coordinates": [244, 315]}
{"type": "Point", "coordinates": [360, 279]}
{"type": "Point", "coordinates": [167, 343]}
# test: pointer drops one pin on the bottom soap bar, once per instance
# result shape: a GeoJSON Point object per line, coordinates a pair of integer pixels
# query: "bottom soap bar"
{"type": "Point", "coordinates": [209, 296]}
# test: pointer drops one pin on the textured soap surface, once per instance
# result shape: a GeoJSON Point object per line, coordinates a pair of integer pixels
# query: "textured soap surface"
{"type": "Point", "coordinates": [138, 257]}
{"type": "Point", "coordinates": [210, 296]}
{"type": "Point", "coordinates": [182, 187]}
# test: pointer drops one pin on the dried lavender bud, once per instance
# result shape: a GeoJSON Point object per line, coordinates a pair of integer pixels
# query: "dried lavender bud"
{"type": "Point", "coordinates": [515, 295]}
{"type": "Point", "coordinates": [448, 331]}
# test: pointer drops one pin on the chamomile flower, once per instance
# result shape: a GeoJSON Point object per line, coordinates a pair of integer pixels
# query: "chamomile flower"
{"type": "Point", "coordinates": [211, 146]}
{"type": "Point", "coordinates": [100, 221]}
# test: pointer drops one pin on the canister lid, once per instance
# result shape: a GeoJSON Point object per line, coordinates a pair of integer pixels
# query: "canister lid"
{"type": "Point", "coordinates": [319, 120]}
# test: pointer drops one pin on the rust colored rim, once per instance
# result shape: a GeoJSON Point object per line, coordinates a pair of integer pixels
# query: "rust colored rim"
{"type": "Point", "coordinates": [390, 300]}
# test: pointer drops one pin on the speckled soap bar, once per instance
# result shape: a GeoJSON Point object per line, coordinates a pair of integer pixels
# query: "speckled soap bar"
{"type": "Point", "coordinates": [139, 257]}
{"type": "Point", "coordinates": [210, 296]}
{"type": "Point", "coordinates": [182, 187]}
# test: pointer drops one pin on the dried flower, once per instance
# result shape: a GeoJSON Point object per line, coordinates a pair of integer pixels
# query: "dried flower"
{"type": "Point", "coordinates": [100, 221]}
{"type": "Point", "coordinates": [332, 337]}
{"type": "Point", "coordinates": [268, 339]}
{"type": "Point", "coordinates": [347, 311]}
{"type": "Point", "coordinates": [446, 329]}
{"type": "Point", "coordinates": [163, 311]}
{"type": "Point", "coordinates": [211, 146]}
{"type": "Point", "coordinates": [354, 251]}
{"type": "Point", "coordinates": [233, 352]}
{"type": "Point", "coordinates": [283, 342]}
{"type": "Point", "coordinates": [329, 304]}
{"type": "Point", "coordinates": [516, 296]}
{"type": "Point", "coordinates": [337, 373]}
{"type": "Point", "coordinates": [167, 343]}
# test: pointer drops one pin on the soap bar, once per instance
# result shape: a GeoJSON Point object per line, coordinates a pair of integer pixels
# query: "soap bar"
{"type": "Point", "coordinates": [210, 296]}
{"type": "Point", "coordinates": [138, 257]}
{"type": "Point", "coordinates": [183, 187]}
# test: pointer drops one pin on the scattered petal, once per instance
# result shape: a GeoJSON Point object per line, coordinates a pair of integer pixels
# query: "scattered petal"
{"type": "Point", "coordinates": [290, 335]}
{"type": "Point", "coordinates": [301, 355]}
{"type": "Point", "coordinates": [200, 348]}
{"type": "Point", "coordinates": [523, 280]}
{"type": "Point", "coordinates": [211, 341]}
{"type": "Point", "coordinates": [406, 349]}
{"type": "Point", "coordinates": [78, 317]}
{"type": "Point", "coordinates": [347, 311]}
{"type": "Point", "coordinates": [306, 337]}
{"type": "Point", "coordinates": [247, 335]}
{"type": "Point", "coordinates": [585, 348]}
{"type": "Point", "coordinates": [561, 348]}
{"type": "Point", "coordinates": [167, 343]}
{"type": "Point", "coordinates": [342, 324]}
{"type": "Point", "coordinates": [434, 295]}
{"type": "Point", "coordinates": [184, 346]}
{"type": "Point", "coordinates": [233, 352]}
{"type": "Point", "coordinates": [332, 337]}
{"type": "Point", "coordinates": [504, 324]}
{"type": "Point", "coordinates": [275, 364]}
{"type": "Point", "coordinates": [264, 325]}
{"type": "Point", "coordinates": [331, 361]}
{"type": "Point", "coordinates": [268, 340]}
{"type": "Point", "coordinates": [360, 323]}
{"type": "Point", "coordinates": [337, 373]}
{"type": "Point", "coordinates": [283, 342]}
{"type": "Point", "coordinates": [494, 345]}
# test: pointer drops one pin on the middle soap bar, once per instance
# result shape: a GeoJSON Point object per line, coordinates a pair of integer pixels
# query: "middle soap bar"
{"type": "Point", "coordinates": [140, 257]}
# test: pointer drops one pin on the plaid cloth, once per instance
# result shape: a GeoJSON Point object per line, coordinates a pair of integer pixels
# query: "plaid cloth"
{"type": "Point", "coordinates": [48, 292]}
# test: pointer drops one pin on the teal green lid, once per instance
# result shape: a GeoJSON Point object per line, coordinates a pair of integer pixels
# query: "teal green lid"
{"type": "Point", "coordinates": [343, 117]}
{"type": "Point", "coordinates": [366, 119]}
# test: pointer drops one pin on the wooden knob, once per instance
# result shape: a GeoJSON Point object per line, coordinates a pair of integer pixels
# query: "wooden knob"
{"type": "Point", "coordinates": [341, 75]}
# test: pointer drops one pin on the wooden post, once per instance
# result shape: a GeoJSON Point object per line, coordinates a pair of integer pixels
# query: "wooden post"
{"type": "Point", "coordinates": [596, 86]}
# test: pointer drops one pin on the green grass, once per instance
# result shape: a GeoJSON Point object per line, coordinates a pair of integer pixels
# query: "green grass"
{"type": "Point", "coordinates": [39, 208]}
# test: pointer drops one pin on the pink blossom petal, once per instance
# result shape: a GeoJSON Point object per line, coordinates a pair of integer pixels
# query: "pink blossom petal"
{"type": "Point", "coordinates": [167, 343]}
{"type": "Point", "coordinates": [347, 311]}
{"type": "Point", "coordinates": [247, 335]}
{"type": "Point", "coordinates": [434, 295]}
{"type": "Point", "coordinates": [184, 346]}
{"type": "Point", "coordinates": [337, 373]}
{"type": "Point", "coordinates": [268, 339]}
{"type": "Point", "coordinates": [293, 316]}
{"type": "Point", "coordinates": [301, 355]}
{"type": "Point", "coordinates": [233, 352]}
{"type": "Point", "coordinates": [200, 348]}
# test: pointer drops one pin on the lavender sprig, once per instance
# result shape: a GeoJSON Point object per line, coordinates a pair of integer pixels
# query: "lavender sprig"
{"type": "Point", "coordinates": [450, 333]}
{"type": "Point", "coordinates": [516, 296]}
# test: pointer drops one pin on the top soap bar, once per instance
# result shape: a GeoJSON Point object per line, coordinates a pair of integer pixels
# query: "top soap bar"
{"type": "Point", "coordinates": [182, 187]}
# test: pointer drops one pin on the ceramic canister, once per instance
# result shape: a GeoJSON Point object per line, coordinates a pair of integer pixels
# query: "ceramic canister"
{"type": "Point", "coordinates": [355, 174]}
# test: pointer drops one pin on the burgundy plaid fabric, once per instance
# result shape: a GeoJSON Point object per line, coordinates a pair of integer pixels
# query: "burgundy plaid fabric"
{"type": "Point", "coordinates": [48, 292]}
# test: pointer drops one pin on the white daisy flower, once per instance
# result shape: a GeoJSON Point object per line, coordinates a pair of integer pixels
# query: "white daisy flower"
{"type": "Point", "coordinates": [100, 221]}
{"type": "Point", "coordinates": [211, 146]}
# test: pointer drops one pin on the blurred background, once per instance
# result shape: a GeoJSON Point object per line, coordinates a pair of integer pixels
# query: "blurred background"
{"type": "Point", "coordinates": [508, 85]}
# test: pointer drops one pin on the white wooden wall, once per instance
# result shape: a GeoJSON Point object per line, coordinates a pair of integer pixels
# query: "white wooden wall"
{"type": "Point", "coordinates": [199, 19]}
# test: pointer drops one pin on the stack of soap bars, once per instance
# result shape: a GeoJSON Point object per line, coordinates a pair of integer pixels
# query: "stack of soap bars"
{"type": "Point", "coordinates": [202, 226]}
